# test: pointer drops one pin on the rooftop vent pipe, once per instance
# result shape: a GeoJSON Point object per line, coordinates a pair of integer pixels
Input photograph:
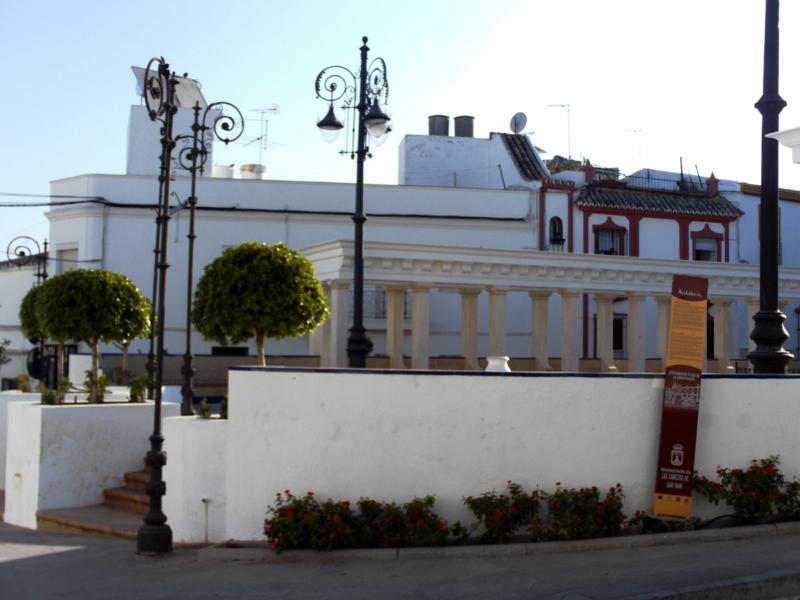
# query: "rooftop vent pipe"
{"type": "Point", "coordinates": [463, 126]}
{"type": "Point", "coordinates": [438, 125]}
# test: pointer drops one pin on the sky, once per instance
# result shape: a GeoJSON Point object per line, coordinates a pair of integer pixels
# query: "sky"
{"type": "Point", "coordinates": [647, 83]}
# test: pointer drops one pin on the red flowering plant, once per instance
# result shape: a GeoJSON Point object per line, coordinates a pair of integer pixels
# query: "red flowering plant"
{"type": "Point", "coordinates": [295, 522]}
{"type": "Point", "coordinates": [581, 513]}
{"type": "Point", "coordinates": [757, 494]}
{"type": "Point", "coordinates": [501, 515]}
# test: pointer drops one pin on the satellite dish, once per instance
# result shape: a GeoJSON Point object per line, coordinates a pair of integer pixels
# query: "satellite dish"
{"type": "Point", "coordinates": [518, 122]}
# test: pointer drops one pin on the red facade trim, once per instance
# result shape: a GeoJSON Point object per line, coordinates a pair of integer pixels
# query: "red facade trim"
{"type": "Point", "coordinates": [727, 243]}
{"type": "Point", "coordinates": [683, 237]}
{"type": "Point", "coordinates": [570, 220]}
{"type": "Point", "coordinates": [542, 217]}
{"type": "Point", "coordinates": [633, 222]}
{"type": "Point", "coordinates": [708, 233]}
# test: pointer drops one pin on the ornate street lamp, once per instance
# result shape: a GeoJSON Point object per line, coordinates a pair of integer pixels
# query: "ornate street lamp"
{"type": "Point", "coordinates": [769, 333]}
{"type": "Point", "coordinates": [24, 249]}
{"type": "Point", "coordinates": [192, 157]}
{"type": "Point", "coordinates": [367, 87]}
{"type": "Point", "coordinates": [155, 536]}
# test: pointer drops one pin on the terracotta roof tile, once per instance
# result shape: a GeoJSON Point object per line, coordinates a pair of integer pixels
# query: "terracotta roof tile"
{"type": "Point", "coordinates": [647, 200]}
{"type": "Point", "coordinates": [528, 164]}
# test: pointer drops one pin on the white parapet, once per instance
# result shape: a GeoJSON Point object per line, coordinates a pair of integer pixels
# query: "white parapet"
{"type": "Point", "coordinates": [789, 138]}
{"type": "Point", "coordinates": [5, 398]}
{"type": "Point", "coordinates": [64, 456]}
{"type": "Point", "coordinates": [195, 500]}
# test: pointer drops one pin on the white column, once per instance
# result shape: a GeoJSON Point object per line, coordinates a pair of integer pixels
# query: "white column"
{"type": "Point", "coordinates": [636, 333]}
{"type": "Point", "coordinates": [497, 321]}
{"type": "Point", "coordinates": [337, 339]}
{"type": "Point", "coordinates": [319, 340]}
{"type": "Point", "coordinates": [469, 327]}
{"type": "Point", "coordinates": [663, 303]}
{"type": "Point", "coordinates": [395, 301]}
{"type": "Point", "coordinates": [753, 305]}
{"type": "Point", "coordinates": [570, 330]}
{"type": "Point", "coordinates": [605, 330]}
{"type": "Point", "coordinates": [420, 326]}
{"type": "Point", "coordinates": [722, 336]}
{"type": "Point", "coordinates": [540, 318]}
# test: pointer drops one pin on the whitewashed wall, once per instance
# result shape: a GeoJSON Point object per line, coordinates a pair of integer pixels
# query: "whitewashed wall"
{"type": "Point", "coordinates": [195, 503]}
{"type": "Point", "coordinates": [64, 456]}
{"type": "Point", "coordinates": [396, 435]}
{"type": "Point", "coordinates": [5, 399]}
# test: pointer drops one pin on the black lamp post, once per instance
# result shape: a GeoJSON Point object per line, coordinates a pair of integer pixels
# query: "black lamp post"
{"type": "Point", "coordinates": [24, 249]}
{"type": "Point", "coordinates": [192, 157]}
{"type": "Point", "coordinates": [366, 87]}
{"type": "Point", "coordinates": [155, 536]}
{"type": "Point", "coordinates": [769, 333]}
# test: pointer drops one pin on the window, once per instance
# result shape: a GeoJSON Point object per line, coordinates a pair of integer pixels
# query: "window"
{"type": "Point", "coordinates": [620, 336]}
{"type": "Point", "coordinates": [705, 249]}
{"type": "Point", "coordinates": [707, 245]}
{"type": "Point", "coordinates": [375, 302]}
{"type": "Point", "coordinates": [556, 234]}
{"type": "Point", "coordinates": [609, 238]}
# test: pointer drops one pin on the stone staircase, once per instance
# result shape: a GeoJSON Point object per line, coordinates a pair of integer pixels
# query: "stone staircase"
{"type": "Point", "coordinates": [119, 516]}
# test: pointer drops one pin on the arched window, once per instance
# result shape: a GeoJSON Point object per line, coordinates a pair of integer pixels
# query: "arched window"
{"type": "Point", "coordinates": [556, 234]}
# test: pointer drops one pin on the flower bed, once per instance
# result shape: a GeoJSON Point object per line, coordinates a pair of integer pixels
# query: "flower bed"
{"type": "Point", "coordinates": [295, 522]}
{"type": "Point", "coordinates": [758, 494]}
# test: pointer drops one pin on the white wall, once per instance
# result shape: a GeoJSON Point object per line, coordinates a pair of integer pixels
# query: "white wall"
{"type": "Point", "coordinates": [64, 456]}
{"type": "Point", "coordinates": [395, 436]}
{"type": "Point", "coordinates": [197, 473]}
{"type": "Point", "coordinates": [658, 238]}
{"type": "Point", "coordinates": [5, 399]}
{"type": "Point", "coordinates": [15, 282]}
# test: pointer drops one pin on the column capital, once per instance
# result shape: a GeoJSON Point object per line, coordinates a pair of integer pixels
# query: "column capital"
{"type": "Point", "coordinates": [497, 290]}
{"type": "Point", "coordinates": [545, 294]}
{"type": "Point", "coordinates": [470, 291]}
{"type": "Point", "coordinates": [420, 287]}
{"type": "Point", "coordinates": [338, 283]}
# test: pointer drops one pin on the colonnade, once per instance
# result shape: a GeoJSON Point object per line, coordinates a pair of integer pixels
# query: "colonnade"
{"type": "Point", "coordinates": [330, 340]}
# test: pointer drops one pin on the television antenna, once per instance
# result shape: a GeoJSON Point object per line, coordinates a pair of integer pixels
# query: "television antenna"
{"type": "Point", "coordinates": [569, 127]}
{"type": "Point", "coordinates": [263, 136]}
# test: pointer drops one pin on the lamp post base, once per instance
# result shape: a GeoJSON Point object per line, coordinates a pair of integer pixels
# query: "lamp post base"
{"type": "Point", "coordinates": [358, 347]}
{"type": "Point", "coordinates": [769, 334]}
{"type": "Point", "coordinates": [154, 540]}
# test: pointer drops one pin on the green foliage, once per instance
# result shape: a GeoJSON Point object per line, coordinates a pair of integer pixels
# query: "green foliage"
{"type": "Point", "coordinates": [3, 358]}
{"type": "Point", "coordinates": [502, 515]}
{"type": "Point", "coordinates": [56, 396]}
{"type": "Point", "coordinates": [96, 386]}
{"type": "Point", "coordinates": [580, 514]}
{"type": "Point", "coordinates": [258, 290]}
{"type": "Point", "coordinates": [204, 409]}
{"type": "Point", "coordinates": [24, 383]}
{"type": "Point", "coordinates": [91, 305]}
{"type": "Point", "coordinates": [757, 494]}
{"type": "Point", "coordinates": [138, 389]}
{"type": "Point", "coordinates": [29, 318]}
{"type": "Point", "coordinates": [295, 522]}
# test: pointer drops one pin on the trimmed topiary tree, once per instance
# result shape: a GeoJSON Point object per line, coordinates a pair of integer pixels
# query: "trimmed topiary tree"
{"type": "Point", "coordinates": [93, 305]}
{"type": "Point", "coordinates": [29, 317]}
{"type": "Point", "coordinates": [258, 290]}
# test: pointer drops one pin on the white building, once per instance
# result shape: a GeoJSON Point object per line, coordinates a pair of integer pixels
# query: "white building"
{"type": "Point", "coordinates": [481, 248]}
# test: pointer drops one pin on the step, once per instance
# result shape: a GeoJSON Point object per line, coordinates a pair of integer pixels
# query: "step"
{"type": "Point", "coordinates": [137, 481]}
{"type": "Point", "coordinates": [98, 520]}
{"type": "Point", "coordinates": [126, 499]}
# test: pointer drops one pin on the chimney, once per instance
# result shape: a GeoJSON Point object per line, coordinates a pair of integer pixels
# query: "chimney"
{"type": "Point", "coordinates": [588, 172]}
{"type": "Point", "coordinates": [439, 125]}
{"type": "Point", "coordinates": [463, 126]}
{"type": "Point", "coordinates": [712, 186]}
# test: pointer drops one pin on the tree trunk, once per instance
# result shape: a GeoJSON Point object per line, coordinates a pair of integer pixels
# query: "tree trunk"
{"type": "Point", "coordinates": [260, 349]}
{"type": "Point", "coordinates": [94, 393]}
{"type": "Point", "coordinates": [60, 352]}
{"type": "Point", "coordinates": [125, 375]}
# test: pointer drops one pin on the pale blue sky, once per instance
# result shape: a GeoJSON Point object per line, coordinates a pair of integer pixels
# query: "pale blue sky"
{"type": "Point", "coordinates": [685, 73]}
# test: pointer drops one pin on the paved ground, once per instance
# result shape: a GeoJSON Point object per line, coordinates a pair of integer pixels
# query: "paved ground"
{"type": "Point", "coordinates": [40, 566]}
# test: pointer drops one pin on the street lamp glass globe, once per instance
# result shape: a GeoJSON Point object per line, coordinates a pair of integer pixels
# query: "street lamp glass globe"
{"type": "Point", "coordinates": [376, 120]}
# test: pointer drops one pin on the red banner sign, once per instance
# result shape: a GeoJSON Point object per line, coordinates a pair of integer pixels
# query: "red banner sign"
{"type": "Point", "coordinates": [681, 400]}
